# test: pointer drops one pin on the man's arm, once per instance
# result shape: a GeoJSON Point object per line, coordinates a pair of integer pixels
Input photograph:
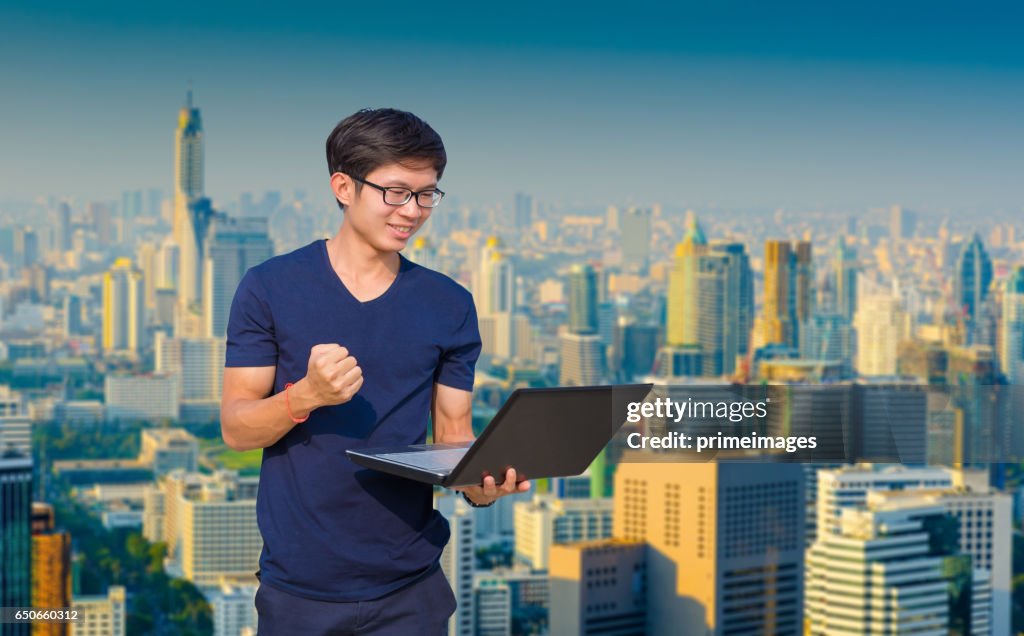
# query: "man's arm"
{"type": "Point", "coordinates": [250, 417]}
{"type": "Point", "coordinates": [452, 414]}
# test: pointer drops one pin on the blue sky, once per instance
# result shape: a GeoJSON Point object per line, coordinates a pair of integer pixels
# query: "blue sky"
{"type": "Point", "coordinates": [829, 105]}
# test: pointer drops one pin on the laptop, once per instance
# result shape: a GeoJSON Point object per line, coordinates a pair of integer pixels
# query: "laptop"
{"type": "Point", "coordinates": [550, 432]}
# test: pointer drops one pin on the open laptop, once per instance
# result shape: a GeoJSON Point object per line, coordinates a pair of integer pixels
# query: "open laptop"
{"type": "Point", "coordinates": [552, 432]}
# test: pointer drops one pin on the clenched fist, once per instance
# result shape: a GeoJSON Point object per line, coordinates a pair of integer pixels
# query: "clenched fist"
{"type": "Point", "coordinates": [333, 375]}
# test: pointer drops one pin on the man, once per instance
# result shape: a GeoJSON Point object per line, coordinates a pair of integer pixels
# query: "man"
{"type": "Point", "coordinates": [345, 344]}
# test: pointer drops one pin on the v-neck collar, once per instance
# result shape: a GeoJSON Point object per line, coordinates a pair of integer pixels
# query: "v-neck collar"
{"type": "Point", "coordinates": [403, 264]}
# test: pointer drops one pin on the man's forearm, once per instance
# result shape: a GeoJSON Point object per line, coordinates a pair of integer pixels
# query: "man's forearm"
{"type": "Point", "coordinates": [250, 424]}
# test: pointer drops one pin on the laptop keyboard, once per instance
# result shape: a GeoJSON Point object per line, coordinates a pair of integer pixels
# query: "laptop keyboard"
{"type": "Point", "coordinates": [432, 460]}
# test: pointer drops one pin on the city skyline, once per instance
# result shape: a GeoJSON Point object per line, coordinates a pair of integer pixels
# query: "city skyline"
{"type": "Point", "coordinates": [703, 108]}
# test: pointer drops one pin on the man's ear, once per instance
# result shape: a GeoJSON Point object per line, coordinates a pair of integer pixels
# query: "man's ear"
{"type": "Point", "coordinates": [343, 187]}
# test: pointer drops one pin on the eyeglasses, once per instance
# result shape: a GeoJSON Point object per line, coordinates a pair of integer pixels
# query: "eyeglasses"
{"type": "Point", "coordinates": [396, 196]}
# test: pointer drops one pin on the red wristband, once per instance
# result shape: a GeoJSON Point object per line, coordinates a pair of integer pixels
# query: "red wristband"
{"type": "Point", "coordinates": [289, 406]}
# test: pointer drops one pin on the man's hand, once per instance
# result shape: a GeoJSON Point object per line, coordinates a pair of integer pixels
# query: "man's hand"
{"type": "Point", "coordinates": [334, 376]}
{"type": "Point", "coordinates": [488, 492]}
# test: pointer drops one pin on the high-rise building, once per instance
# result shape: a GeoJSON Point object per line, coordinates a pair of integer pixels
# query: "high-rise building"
{"type": "Point", "coordinates": [168, 449]}
{"type": "Point", "coordinates": [778, 315]}
{"type": "Point", "coordinates": [582, 360]}
{"type": "Point", "coordinates": [199, 362]}
{"type": "Point", "coordinates": [458, 561]}
{"type": "Point", "coordinates": [1011, 336]}
{"type": "Point", "coordinates": [423, 252]}
{"type": "Point", "coordinates": [15, 423]}
{"type": "Point", "coordinates": [511, 601]}
{"type": "Point", "coordinates": [972, 280]}
{"type": "Point", "coordinates": [583, 299]}
{"type": "Point", "coordinates": [123, 310]}
{"type": "Point", "coordinates": [51, 567]}
{"type": "Point", "coordinates": [725, 301]}
{"type": "Point", "coordinates": [881, 324]}
{"type": "Point", "coordinates": [682, 287]}
{"type": "Point", "coordinates": [845, 270]}
{"type": "Point", "coordinates": [902, 223]}
{"type": "Point", "coordinates": [192, 211]}
{"type": "Point", "coordinates": [524, 211]}
{"type": "Point", "coordinates": [15, 537]}
{"type": "Point", "coordinates": [600, 587]}
{"type": "Point", "coordinates": [496, 299]}
{"type": "Point", "coordinates": [983, 516]}
{"type": "Point", "coordinates": [728, 538]}
{"type": "Point", "coordinates": [893, 567]}
{"type": "Point", "coordinates": [209, 526]}
{"type": "Point", "coordinates": [147, 397]}
{"type": "Point", "coordinates": [788, 291]}
{"type": "Point", "coordinates": [493, 605]}
{"type": "Point", "coordinates": [636, 239]}
{"type": "Point", "coordinates": [102, 614]}
{"type": "Point", "coordinates": [234, 608]}
{"type": "Point", "coordinates": [549, 520]}
{"type": "Point", "coordinates": [233, 246]}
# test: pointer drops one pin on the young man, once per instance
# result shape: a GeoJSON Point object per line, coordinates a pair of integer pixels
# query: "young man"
{"type": "Point", "coordinates": [346, 344]}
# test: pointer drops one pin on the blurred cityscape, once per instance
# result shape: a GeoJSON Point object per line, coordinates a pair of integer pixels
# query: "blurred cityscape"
{"type": "Point", "coordinates": [902, 330]}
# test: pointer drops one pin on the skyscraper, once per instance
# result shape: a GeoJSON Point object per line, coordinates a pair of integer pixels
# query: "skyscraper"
{"type": "Point", "coordinates": [15, 537]}
{"type": "Point", "coordinates": [123, 309]}
{"type": "Point", "coordinates": [973, 277]}
{"type": "Point", "coordinates": [894, 567]}
{"type": "Point", "coordinates": [725, 299]}
{"type": "Point", "coordinates": [881, 324]}
{"type": "Point", "coordinates": [233, 246]}
{"type": "Point", "coordinates": [682, 287]}
{"type": "Point", "coordinates": [845, 270]}
{"type": "Point", "coordinates": [778, 314]}
{"type": "Point", "coordinates": [1011, 337]}
{"type": "Point", "coordinates": [902, 223]}
{"type": "Point", "coordinates": [636, 239]}
{"type": "Point", "coordinates": [583, 297]}
{"type": "Point", "coordinates": [725, 543]}
{"type": "Point", "coordinates": [51, 567]}
{"type": "Point", "coordinates": [788, 291]}
{"type": "Point", "coordinates": [496, 299]}
{"type": "Point", "coordinates": [192, 212]}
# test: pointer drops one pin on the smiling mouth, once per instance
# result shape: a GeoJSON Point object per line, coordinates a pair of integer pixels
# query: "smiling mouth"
{"type": "Point", "coordinates": [401, 229]}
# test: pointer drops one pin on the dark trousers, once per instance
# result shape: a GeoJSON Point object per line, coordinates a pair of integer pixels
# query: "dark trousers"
{"type": "Point", "coordinates": [422, 607]}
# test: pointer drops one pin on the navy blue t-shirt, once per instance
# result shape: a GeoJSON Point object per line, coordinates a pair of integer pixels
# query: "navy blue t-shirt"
{"type": "Point", "coordinates": [334, 531]}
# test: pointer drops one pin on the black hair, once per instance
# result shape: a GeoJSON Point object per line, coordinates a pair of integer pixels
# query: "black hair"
{"type": "Point", "coordinates": [373, 137]}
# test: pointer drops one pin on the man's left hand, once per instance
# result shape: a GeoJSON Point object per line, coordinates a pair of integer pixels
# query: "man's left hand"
{"type": "Point", "coordinates": [488, 492]}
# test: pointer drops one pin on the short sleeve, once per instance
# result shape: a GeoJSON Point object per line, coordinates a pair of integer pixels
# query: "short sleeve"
{"type": "Point", "coordinates": [250, 333]}
{"type": "Point", "coordinates": [458, 361]}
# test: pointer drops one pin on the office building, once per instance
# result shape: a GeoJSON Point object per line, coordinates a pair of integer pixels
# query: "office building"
{"type": "Point", "coordinates": [583, 300]}
{"type": "Point", "coordinates": [102, 614]}
{"type": "Point", "coordinates": [725, 307]}
{"type": "Point", "coordinates": [51, 568]}
{"type": "Point", "coordinates": [894, 567]}
{"type": "Point", "coordinates": [15, 537]}
{"type": "Point", "coordinates": [582, 360]}
{"type": "Point", "coordinates": [1011, 336]}
{"type": "Point", "coordinates": [209, 525]}
{"type": "Point", "coordinates": [233, 607]}
{"type": "Point", "coordinates": [725, 542]}
{"type": "Point", "coordinates": [682, 312]}
{"type": "Point", "coordinates": [971, 281]}
{"type": "Point", "coordinates": [881, 324]}
{"type": "Point", "coordinates": [548, 520]}
{"type": "Point", "coordinates": [151, 397]}
{"type": "Point", "coordinates": [168, 449]}
{"type": "Point", "coordinates": [232, 247]}
{"type": "Point", "coordinates": [458, 560]}
{"type": "Point", "coordinates": [123, 310]}
{"type": "Point", "coordinates": [600, 587]}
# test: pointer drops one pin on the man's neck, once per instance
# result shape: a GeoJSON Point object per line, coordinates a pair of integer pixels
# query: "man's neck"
{"type": "Point", "coordinates": [353, 256]}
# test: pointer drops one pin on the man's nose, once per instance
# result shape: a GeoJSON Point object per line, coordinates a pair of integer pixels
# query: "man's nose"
{"type": "Point", "coordinates": [411, 210]}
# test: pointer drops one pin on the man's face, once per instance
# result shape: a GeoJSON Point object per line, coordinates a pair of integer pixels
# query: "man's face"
{"type": "Point", "coordinates": [387, 228]}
